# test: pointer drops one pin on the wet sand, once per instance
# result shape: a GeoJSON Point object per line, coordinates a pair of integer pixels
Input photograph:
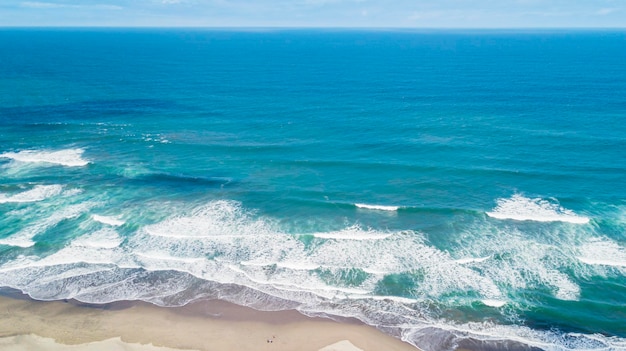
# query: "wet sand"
{"type": "Point", "coordinates": [26, 324]}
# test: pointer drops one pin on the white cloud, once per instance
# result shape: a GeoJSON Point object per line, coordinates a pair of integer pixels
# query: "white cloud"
{"type": "Point", "coordinates": [41, 5]}
{"type": "Point", "coordinates": [328, 2]}
{"type": "Point", "coordinates": [605, 11]}
{"type": "Point", "coordinates": [52, 5]}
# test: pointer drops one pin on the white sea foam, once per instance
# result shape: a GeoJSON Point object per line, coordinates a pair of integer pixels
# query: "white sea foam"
{"type": "Point", "coordinates": [105, 238]}
{"type": "Point", "coordinates": [472, 260]}
{"type": "Point", "coordinates": [421, 334]}
{"type": "Point", "coordinates": [521, 208]}
{"type": "Point", "coordinates": [377, 207]}
{"type": "Point", "coordinates": [255, 253]}
{"type": "Point", "coordinates": [603, 252]}
{"type": "Point", "coordinates": [109, 220]}
{"type": "Point", "coordinates": [218, 218]}
{"type": "Point", "coordinates": [101, 247]}
{"type": "Point", "coordinates": [221, 242]}
{"type": "Point", "coordinates": [37, 193]}
{"type": "Point", "coordinates": [24, 238]}
{"type": "Point", "coordinates": [517, 261]}
{"type": "Point", "coordinates": [602, 262]}
{"type": "Point", "coordinates": [223, 235]}
{"type": "Point", "coordinates": [157, 256]}
{"type": "Point", "coordinates": [298, 266]}
{"type": "Point", "coordinates": [67, 157]}
{"type": "Point", "coordinates": [353, 233]}
{"type": "Point", "coordinates": [402, 300]}
{"type": "Point", "coordinates": [493, 303]}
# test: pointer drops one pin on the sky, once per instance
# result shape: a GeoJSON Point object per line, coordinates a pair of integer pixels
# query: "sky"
{"type": "Point", "coordinates": [316, 13]}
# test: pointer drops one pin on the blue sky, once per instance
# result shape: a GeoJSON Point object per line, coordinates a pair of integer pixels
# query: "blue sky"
{"type": "Point", "coordinates": [316, 13]}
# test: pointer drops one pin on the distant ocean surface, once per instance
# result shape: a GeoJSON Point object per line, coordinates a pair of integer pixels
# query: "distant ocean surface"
{"type": "Point", "coordinates": [452, 188]}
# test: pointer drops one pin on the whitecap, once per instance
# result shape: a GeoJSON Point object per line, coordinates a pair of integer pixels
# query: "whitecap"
{"type": "Point", "coordinates": [493, 303]}
{"type": "Point", "coordinates": [67, 157]}
{"type": "Point", "coordinates": [472, 260]}
{"type": "Point", "coordinates": [105, 238]}
{"type": "Point", "coordinates": [377, 207]}
{"type": "Point", "coordinates": [353, 233]}
{"type": "Point", "coordinates": [24, 238]}
{"type": "Point", "coordinates": [521, 208]}
{"type": "Point", "coordinates": [37, 193]}
{"type": "Point", "coordinates": [109, 220]}
{"type": "Point", "coordinates": [603, 252]}
{"type": "Point", "coordinates": [298, 266]}
{"type": "Point", "coordinates": [223, 219]}
{"type": "Point", "coordinates": [159, 257]}
{"type": "Point", "coordinates": [398, 299]}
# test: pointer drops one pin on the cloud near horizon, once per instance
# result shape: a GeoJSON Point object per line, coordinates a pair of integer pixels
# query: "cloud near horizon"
{"type": "Point", "coordinates": [316, 13]}
{"type": "Point", "coordinates": [53, 5]}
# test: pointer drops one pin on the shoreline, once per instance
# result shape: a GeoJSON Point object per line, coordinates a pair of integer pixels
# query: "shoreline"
{"type": "Point", "coordinates": [201, 325]}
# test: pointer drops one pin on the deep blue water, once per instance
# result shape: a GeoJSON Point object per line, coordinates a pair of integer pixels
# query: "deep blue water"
{"type": "Point", "coordinates": [453, 188]}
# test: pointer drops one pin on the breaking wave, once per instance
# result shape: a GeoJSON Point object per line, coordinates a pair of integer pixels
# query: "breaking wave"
{"type": "Point", "coordinates": [603, 252]}
{"type": "Point", "coordinates": [113, 221]}
{"type": "Point", "coordinates": [67, 157]}
{"type": "Point", "coordinates": [221, 250]}
{"type": "Point", "coordinates": [377, 207]}
{"type": "Point", "coordinates": [37, 193]}
{"type": "Point", "coordinates": [521, 208]}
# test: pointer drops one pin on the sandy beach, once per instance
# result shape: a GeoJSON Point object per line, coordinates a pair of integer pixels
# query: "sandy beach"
{"type": "Point", "coordinates": [208, 325]}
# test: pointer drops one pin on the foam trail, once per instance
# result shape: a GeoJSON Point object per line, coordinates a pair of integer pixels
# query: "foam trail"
{"type": "Point", "coordinates": [472, 260]}
{"type": "Point", "coordinates": [67, 157]}
{"type": "Point", "coordinates": [222, 243]}
{"type": "Point", "coordinates": [105, 238]}
{"type": "Point", "coordinates": [38, 193]}
{"type": "Point", "coordinates": [421, 335]}
{"type": "Point", "coordinates": [377, 207]}
{"type": "Point", "coordinates": [493, 303]}
{"type": "Point", "coordinates": [521, 208]}
{"type": "Point", "coordinates": [353, 233]}
{"type": "Point", "coordinates": [603, 253]}
{"type": "Point", "coordinates": [24, 238]}
{"type": "Point", "coordinates": [107, 220]}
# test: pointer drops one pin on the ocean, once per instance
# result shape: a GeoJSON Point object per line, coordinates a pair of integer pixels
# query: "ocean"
{"type": "Point", "coordinates": [454, 188]}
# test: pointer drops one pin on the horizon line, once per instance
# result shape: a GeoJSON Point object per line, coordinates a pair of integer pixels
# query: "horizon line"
{"type": "Point", "coordinates": [382, 28]}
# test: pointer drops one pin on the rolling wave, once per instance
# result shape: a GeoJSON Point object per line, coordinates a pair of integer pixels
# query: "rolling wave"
{"type": "Point", "coordinates": [37, 193]}
{"type": "Point", "coordinates": [67, 157]}
{"type": "Point", "coordinates": [377, 207]}
{"type": "Point", "coordinates": [247, 259]}
{"type": "Point", "coordinates": [113, 221]}
{"type": "Point", "coordinates": [521, 208]}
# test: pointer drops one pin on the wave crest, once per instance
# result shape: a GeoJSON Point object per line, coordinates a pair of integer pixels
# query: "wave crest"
{"type": "Point", "coordinates": [521, 208]}
{"type": "Point", "coordinates": [377, 207]}
{"type": "Point", "coordinates": [67, 157]}
{"type": "Point", "coordinates": [37, 193]}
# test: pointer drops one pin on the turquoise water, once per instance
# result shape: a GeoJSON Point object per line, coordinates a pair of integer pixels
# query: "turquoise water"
{"type": "Point", "coordinates": [453, 188]}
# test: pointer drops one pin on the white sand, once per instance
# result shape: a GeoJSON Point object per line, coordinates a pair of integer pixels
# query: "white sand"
{"type": "Point", "coordinates": [205, 326]}
{"type": "Point", "coordinates": [37, 343]}
{"type": "Point", "coordinates": [343, 345]}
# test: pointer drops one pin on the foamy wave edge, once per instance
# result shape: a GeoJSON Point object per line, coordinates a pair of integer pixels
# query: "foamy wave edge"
{"type": "Point", "coordinates": [417, 332]}
{"type": "Point", "coordinates": [37, 193]}
{"type": "Point", "coordinates": [520, 208]}
{"type": "Point", "coordinates": [377, 207]}
{"type": "Point", "coordinates": [112, 221]}
{"type": "Point", "coordinates": [267, 297]}
{"type": "Point", "coordinates": [66, 157]}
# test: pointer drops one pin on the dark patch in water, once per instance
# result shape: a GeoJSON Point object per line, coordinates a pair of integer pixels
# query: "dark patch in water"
{"type": "Point", "coordinates": [178, 180]}
{"type": "Point", "coordinates": [85, 110]}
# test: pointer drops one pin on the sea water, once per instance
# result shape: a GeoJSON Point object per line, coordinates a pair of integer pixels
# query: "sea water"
{"type": "Point", "coordinates": [452, 188]}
